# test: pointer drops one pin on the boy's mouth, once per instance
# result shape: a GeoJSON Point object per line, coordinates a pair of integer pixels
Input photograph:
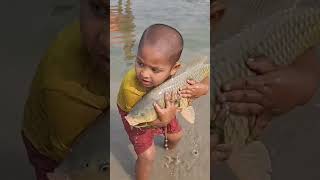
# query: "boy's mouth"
{"type": "Point", "coordinates": [146, 83]}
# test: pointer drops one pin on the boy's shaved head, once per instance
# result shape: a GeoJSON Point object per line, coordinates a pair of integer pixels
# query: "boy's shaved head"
{"type": "Point", "coordinates": [165, 38]}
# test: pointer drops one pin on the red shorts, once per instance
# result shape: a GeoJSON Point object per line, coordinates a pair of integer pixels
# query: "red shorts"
{"type": "Point", "coordinates": [142, 138]}
{"type": "Point", "coordinates": [41, 163]}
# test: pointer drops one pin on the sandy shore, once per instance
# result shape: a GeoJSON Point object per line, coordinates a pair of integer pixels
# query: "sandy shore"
{"type": "Point", "coordinates": [189, 161]}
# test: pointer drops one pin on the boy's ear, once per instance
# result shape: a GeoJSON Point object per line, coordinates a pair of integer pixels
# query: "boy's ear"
{"type": "Point", "coordinates": [175, 68]}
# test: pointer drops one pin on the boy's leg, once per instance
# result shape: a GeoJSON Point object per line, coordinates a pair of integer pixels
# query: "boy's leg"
{"type": "Point", "coordinates": [173, 139]}
{"type": "Point", "coordinates": [174, 133]}
{"type": "Point", "coordinates": [144, 163]}
{"type": "Point", "coordinates": [142, 141]}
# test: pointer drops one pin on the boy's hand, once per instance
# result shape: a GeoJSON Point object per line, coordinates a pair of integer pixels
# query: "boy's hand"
{"type": "Point", "coordinates": [166, 114]}
{"type": "Point", "coordinates": [194, 89]}
{"type": "Point", "coordinates": [275, 90]}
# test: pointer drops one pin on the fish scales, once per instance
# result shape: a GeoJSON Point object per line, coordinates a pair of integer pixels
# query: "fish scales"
{"type": "Point", "coordinates": [282, 37]}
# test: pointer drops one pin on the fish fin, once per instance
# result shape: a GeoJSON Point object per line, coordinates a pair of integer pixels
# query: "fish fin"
{"type": "Point", "coordinates": [183, 103]}
{"type": "Point", "coordinates": [130, 120]}
{"type": "Point", "coordinates": [188, 114]}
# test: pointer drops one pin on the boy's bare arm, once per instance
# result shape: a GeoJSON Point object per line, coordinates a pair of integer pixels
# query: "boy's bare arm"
{"type": "Point", "coordinates": [158, 123]}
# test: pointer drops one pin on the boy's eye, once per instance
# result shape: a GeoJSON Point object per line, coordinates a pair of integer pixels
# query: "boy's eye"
{"type": "Point", "coordinates": [140, 64]}
{"type": "Point", "coordinates": [156, 70]}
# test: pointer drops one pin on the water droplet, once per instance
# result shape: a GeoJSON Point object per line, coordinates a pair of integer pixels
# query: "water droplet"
{"type": "Point", "coordinates": [195, 152]}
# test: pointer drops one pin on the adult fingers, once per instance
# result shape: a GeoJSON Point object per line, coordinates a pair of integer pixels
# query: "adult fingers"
{"type": "Point", "coordinates": [245, 108]}
{"type": "Point", "coordinates": [261, 65]}
{"type": "Point", "coordinates": [249, 96]}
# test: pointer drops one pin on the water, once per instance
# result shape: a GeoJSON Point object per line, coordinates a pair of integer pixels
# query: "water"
{"type": "Point", "coordinates": [130, 18]}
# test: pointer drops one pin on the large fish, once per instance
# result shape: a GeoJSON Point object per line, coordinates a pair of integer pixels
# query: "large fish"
{"type": "Point", "coordinates": [144, 112]}
{"type": "Point", "coordinates": [282, 36]}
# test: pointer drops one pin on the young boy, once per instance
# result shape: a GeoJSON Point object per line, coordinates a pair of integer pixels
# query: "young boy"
{"type": "Point", "coordinates": [69, 90]}
{"type": "Point", "coordinates": [159, 50]}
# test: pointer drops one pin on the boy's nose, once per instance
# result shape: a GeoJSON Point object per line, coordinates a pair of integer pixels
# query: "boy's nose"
{"type": "Point", "coordinates": [145, 73]}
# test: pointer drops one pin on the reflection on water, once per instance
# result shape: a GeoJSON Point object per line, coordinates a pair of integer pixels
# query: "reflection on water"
{"type": "Point", "coordinates": [122, 27]}
{"type": "Point", "coordinates": [128, 20]}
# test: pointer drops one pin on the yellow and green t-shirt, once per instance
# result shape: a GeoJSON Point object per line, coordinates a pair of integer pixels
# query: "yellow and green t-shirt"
{"type": "Point", "coordinates": [65, 97]}
{"type": "Point", "coordinates": [130, 92]}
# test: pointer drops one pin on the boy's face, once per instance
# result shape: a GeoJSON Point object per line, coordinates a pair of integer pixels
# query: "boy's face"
{"type": "Point", "coordinates": [94, 27]}
{"type": "Point", "coordinates": [153, 67]}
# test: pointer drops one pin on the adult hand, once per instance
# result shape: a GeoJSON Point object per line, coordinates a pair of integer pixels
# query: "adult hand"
{"type": "Point", "coordinates": [275, 90]}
